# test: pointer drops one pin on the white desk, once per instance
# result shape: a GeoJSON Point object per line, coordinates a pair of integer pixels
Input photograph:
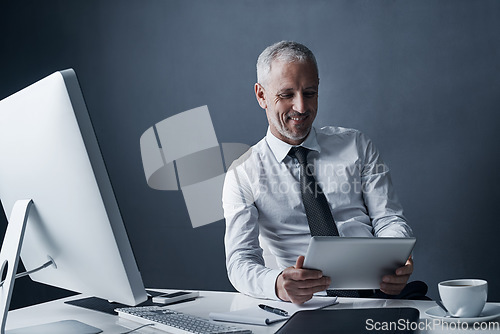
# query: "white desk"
{"type": "Point", "coordinates": [209, 301]}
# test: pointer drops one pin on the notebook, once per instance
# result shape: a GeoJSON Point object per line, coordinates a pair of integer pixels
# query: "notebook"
{"type": "Point", "coordinates": [352, 321]}
{"type": "Point", "coordinates": [256, 316]}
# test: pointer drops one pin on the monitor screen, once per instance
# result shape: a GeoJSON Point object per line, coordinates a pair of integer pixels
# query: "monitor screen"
{"type": "Point", "coordinates": [49, 153]}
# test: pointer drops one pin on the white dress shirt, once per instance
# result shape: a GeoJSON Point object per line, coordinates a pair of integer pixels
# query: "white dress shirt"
{"type": "Point", "coordinates": [262, 195]}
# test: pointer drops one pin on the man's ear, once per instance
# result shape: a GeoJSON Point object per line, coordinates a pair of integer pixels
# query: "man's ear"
{"type": "Point", "coordinates": [259, 94]}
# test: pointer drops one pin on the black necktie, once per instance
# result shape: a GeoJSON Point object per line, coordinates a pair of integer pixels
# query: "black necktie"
{"type": "Point", "coordinates": [318, 212]}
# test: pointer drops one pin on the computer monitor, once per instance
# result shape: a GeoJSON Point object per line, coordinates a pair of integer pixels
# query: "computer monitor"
{"type": "Point", "coordinates": [49, 153]}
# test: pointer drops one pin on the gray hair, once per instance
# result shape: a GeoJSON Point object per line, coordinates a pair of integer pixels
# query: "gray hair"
{"type": "Point", "coordinates": [284, 51]}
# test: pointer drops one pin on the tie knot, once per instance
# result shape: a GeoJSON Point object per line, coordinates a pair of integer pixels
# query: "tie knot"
{"type": "Point", "coordinates": [299, 152]}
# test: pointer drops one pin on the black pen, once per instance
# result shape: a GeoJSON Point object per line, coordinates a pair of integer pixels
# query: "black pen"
{"type": "Point", "coordinates": [274, 310]}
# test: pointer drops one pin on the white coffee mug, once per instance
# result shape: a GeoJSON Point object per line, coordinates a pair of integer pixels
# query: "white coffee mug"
{"type": "Point", "coordinates": [464, 298]}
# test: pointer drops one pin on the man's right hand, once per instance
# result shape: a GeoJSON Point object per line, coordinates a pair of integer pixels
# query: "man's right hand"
{"type": "Point", "coordinates": [298, 285]}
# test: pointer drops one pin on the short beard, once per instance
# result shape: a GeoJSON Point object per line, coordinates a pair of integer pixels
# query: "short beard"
{"type": "Point", "coordinates": [285, 132]}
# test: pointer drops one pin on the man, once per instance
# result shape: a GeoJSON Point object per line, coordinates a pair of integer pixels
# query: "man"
{"type": "Point", "coordinates": [262, 195]}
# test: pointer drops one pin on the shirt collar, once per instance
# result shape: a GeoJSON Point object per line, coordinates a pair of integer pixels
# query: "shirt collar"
{"type": "Point", "coordinates": [280, 149]}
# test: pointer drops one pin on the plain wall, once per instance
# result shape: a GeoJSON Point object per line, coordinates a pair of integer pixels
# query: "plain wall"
{"type": "Point", "coordinates": [421, 78]}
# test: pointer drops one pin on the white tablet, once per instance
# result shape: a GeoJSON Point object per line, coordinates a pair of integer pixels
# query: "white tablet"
{"type": "Point", "coordinates": [357, 263]}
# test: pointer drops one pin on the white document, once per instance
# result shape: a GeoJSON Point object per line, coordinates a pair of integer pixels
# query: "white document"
{"type": "Point", "coordinates": [256, 316]}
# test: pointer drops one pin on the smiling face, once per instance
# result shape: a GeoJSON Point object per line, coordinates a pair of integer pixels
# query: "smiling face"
{"type": "Point", "coordinates": [290, 97]}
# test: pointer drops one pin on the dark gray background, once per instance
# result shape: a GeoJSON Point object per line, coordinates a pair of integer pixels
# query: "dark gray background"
{"type": "Point", "coordinates": [421, 78]}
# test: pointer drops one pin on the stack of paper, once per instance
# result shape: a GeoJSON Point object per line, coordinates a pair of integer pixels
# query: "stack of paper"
{"type": "Point", "coordinates": [256, 316]}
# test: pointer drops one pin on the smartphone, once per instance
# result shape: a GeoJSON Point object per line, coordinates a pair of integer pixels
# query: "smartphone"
{"type": "Point", "coordinates": [174, 297]}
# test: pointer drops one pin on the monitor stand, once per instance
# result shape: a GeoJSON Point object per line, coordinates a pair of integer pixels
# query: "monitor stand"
{"type": "Point", "coordinates": [9, 260]}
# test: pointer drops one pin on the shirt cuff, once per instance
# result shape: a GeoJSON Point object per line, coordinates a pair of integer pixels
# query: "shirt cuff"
{"type": "Point", "coordinates": [270, 284]}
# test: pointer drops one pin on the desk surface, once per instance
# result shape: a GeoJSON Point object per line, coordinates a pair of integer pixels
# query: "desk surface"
{"type": "Point", "coordinates": [209, 301]}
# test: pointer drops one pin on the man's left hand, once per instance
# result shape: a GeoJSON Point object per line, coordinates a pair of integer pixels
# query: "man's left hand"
{"type": "Point", "coordinates": [394, 284]}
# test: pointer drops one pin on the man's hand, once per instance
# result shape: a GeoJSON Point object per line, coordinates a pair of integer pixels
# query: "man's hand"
{"type": "Point", "coordinates": [394, 284]}
{"type": "Point", "coordinates": [298, 285]}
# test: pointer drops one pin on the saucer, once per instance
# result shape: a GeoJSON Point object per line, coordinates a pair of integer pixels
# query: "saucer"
{"type": "Point", "coordinates": [489, 312]}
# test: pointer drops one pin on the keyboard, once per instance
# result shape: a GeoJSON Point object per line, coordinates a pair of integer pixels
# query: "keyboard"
{"type": "Point", "coordinates": [176, 322]}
